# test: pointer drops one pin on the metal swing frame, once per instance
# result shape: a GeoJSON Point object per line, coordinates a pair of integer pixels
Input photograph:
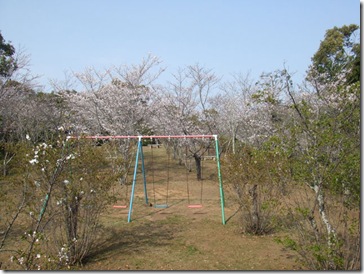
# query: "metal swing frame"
{"type": "Point", "coordinates": [140, 154]}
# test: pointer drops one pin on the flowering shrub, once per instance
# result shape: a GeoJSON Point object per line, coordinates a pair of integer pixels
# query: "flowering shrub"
{"type": "Point", "coordinates": [63, 189]}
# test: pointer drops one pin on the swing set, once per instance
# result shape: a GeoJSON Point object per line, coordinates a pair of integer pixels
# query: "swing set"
{"type": "Point", "coordinates": [153, 182]}
{"type": "Point", "coordinates": [140, 156]}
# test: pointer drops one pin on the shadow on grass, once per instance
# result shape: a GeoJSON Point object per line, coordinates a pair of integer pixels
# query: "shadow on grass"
{"type": "Point", "coordinates": [137, 238]}
{"type": "Point", "coordinates": [171, 204]}
{"type": "Point", "coordinates": [230, 217]}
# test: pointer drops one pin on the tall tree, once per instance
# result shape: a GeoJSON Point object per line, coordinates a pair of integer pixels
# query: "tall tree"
{"type": "Point", "coordinates": [234, 108]}
{"type": "Point", "coordinates": [338, 57]}
{"type": "Point", "coordinates": [7, 58]}
{"type": "Point", "coordinates": [16, 87]}
{"type": "Point", "coordinates": [326, 138]}
{"type": "Point", "coordinates": [184, 108]}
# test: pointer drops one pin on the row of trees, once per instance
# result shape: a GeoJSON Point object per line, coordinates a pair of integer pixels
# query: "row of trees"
{"type": "Point", "coordinates": [276, 135]}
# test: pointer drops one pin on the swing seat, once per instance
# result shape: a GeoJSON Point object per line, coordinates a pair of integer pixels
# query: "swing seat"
{"type": "Point", "coordinates": [161, 206]}
{"type": "Point", "coordinates": [119, 206]}
{"type": "Point", "coordinates": [195, 206]}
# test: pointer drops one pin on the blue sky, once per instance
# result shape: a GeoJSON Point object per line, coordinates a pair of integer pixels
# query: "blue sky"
{"type": "Point", "coordinates": [228, 36]}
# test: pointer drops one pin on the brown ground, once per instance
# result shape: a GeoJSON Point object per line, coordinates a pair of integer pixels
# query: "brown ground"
{"type": "Point", "coordinates": [180, 238]}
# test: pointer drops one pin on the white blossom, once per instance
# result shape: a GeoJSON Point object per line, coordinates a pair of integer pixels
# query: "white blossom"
{"type": "Point", "coordinates": [34, 161]}
{"type": "Point", "coordinates": [21, 260]}
{"type": "Point", "coordinates": [59, 162]}
{"type": "Point", "coordinates": [71, 156]}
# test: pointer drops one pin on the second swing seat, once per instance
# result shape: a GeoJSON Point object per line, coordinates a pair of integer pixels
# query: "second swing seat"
{"type": "Point", "coordinates": [161, 206]}
{"type": "Point", "coordinates": [195, 206]}
{"type": "Point", "coordinates": [119, 206]}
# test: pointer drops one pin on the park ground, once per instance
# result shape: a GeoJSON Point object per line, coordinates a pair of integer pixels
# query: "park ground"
{"type": "Point", "coordinates": [178, 237]}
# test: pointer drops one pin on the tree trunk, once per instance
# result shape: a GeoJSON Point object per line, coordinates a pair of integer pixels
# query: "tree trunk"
{"type": "Point", "coordinates": [331, 233]}
{"type": "Point", "coordinates": [198, 166]}
{"type": "Point", "coordinates": [255, 209]}
{"type": "Point", "coordinates": [321, 203]}
{"type": "Point", "coordinates": [6, 162]}
{"type": "Point", "coordinates": [233, 142]}
{"type": "Point", "coordinates": [72, 222]}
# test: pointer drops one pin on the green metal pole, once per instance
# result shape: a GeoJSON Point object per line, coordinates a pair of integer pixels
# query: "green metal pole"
{"type": "Point", "coordinates": [134, 181]}
{"type": "Point", "coordinates": [222, 199]}
{"type": "Point", "coordinates": [43, 207]}
{"type": "Point", "coordinates": [143, 171]}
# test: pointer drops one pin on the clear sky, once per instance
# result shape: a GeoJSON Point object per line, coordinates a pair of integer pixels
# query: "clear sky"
{"type": "Point", "coordinates": [228, 36]}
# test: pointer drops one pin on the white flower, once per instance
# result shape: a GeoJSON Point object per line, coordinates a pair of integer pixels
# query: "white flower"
{"type": "Point", "coordinates": [38, 256]}
{"type": "Point", "coordinates": [27, 137]}
{"type": "Point", "coordinates": [60, 128]}
{"type": "Point", "coordinates": [66, 182]}
{"type": "Point", "coordinates": [21, 260]}
{"type": "Point", "coordinates": [33, 161]}
{"type": "Point", "coordinates": [59, 162]}
{"type": "Point", "coordinates": [71, 156]}
{"type": "Point", "coordinates": [31, 213]}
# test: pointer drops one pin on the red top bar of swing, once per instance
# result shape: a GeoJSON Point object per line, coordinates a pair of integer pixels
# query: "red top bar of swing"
{"type": "Point", "coordinates": [144, 137]}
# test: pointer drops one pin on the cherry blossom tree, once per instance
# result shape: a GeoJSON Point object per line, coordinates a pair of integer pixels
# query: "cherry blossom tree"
{"type": "Point", "coordinates": [184, 108]}
{"type": "Point", "coordinates": [234, 107]}
{"type": "Point", "coordinates": [115, 101]}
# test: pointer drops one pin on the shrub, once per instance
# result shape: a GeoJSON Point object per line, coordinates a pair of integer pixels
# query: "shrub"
{"type": "Point", "coordinates": [256, 177]}
{"type": "Point", "coordinates": [63, 188]}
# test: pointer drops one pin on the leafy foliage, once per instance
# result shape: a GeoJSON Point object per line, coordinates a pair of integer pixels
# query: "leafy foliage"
{"type": "Point", "coordinates": [258, 177]}
{"type": "Point", "coordinates": [7, 60]}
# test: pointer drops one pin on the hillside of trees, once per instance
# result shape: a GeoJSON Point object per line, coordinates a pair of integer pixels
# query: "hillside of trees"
{"type": "Point", "coordinates": [275, 136]}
